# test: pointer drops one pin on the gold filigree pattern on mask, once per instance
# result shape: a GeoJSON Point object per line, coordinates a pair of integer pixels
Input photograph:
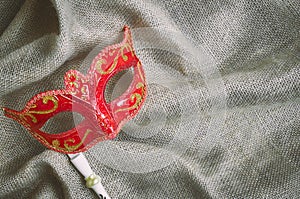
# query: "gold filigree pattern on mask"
{"type": "Point", "coordinates": [135, 96]}
{"type": "Point", "coordinates": [67, 147]}
{"type": "Point", "coordinates": [46, 99]}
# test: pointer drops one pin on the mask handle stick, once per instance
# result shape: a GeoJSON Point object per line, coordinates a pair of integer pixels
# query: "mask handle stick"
{"type": "Point", "coordinates": [93, 181]}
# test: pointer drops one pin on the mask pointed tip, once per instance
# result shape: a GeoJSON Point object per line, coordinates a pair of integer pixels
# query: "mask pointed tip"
{"type": "Point", "coordinates": [5, 111]}
{"type": "Point", "coordinates": [126, 28]}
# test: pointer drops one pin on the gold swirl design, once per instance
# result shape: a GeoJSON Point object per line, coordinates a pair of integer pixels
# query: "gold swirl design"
{"type": "Point", "coordinates": [140, 85]}
{"type": "Point", "coordinates": [102, 61]}
{"type": "Point", "coordinates": [84, 92]}
{"type": "Point", "coordinates": [99, 63]}
{"type": "Point", "coordinates": [33, 118]}
{"type": "Point", "coordinates": [71, 83]}
{"type": "Point", "coordinates": [128, 47]}
{"type": "Point", "coordinates": [56, 143]}
{"type": "Point", "coordinates": [46, 99]}
{"type": "Point", "coordinates": [110, 69]}
{"type": "Point", "coordinates": [133, 96]}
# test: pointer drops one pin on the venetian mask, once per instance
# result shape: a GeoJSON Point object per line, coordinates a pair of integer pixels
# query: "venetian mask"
{"type": "Point", "coordinates": [84, 94]}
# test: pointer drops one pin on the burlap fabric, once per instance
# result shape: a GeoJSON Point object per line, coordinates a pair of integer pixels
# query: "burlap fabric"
{"type": "Point", "coordinates": [222, 115]}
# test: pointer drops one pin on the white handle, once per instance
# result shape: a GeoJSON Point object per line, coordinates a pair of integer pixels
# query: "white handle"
{"type": "Point", "coordinates": [93, 181]}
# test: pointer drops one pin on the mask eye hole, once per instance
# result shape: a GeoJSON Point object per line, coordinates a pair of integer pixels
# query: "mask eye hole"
{"type": "Point", "coordinates": [118, 84]}
{"type": "Point", "coordinates": [62, 122]}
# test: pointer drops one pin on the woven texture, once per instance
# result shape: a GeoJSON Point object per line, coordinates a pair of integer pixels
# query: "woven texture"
{"type": "Point", "coordinates": [221, 119]}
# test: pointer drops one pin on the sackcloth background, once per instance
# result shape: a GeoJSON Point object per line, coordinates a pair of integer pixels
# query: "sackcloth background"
{"type": "Point", "coordinates": [224, 88]}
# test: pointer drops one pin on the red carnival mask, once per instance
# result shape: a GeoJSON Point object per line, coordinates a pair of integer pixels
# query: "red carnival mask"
{"type": "Point", "coordinates": [85, 94]}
